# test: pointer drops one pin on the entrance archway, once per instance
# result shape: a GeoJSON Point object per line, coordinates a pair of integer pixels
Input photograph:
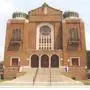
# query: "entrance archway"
{"type": "Point", "coordinates": [54, 61]}
{"type": "Point", "coordinates": [34, 61]}
{"type": "Point", "coordinates": [44, 61]}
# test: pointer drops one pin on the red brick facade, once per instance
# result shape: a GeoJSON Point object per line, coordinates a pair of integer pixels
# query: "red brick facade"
{"type": "Point", "coordinates": [63, 44]}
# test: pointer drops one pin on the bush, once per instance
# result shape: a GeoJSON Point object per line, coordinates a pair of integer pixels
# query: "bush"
{"type": "Point", "coordinates": [2, 77]}
{"type": "Point", "coordinates": [89, 76]}
{"type": "Point", "coordinates": [74, 78]}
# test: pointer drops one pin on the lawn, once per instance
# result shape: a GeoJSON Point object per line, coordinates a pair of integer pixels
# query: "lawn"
{"type": "Point", "coordinates": [86, 82]}
{"type": "Point", "coordinates": [1, 81]}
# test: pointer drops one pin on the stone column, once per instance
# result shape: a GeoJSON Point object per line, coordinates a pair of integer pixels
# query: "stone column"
{"type": "Point", "coordinates": [29, 61]}
{"type": "Point", "coordinates": [40, 61]}
{"type": "Point", "coordinates": [49, 60]}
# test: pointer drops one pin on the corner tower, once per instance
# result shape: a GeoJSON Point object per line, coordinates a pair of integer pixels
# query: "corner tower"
{"type": "Point", "coordinates": [74, 47]}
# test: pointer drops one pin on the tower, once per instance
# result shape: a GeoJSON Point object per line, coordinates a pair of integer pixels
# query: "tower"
{"type": "Point", "coordinates": [74, 39]}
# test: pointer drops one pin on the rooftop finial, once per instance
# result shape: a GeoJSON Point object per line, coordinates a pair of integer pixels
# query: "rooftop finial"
{"type": "Point", "coordinates": [45, 4]}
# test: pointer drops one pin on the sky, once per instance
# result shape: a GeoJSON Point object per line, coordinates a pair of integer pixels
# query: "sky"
{"type": "Point", "coordinates": [7, 7]}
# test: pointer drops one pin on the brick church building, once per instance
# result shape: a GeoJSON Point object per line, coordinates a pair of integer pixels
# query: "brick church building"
{"type": "Point", "coordinates": [46, 38]}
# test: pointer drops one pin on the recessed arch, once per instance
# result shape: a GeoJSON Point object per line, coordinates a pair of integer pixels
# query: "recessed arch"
{"type": "Point", "coordinates": [40, 45]}
{"type": "Point", "coordinates": [34, 61]}
{"type": "Point", "coordinates": [54, 61]}
{"type": "Point", "coordinates": [44, 61]}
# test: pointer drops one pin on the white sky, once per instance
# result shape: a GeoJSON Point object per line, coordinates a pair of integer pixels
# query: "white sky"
{"type": "Point", "coordinates": [7, 7]}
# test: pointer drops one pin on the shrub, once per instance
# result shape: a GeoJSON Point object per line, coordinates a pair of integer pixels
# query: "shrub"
{"type": "Point", "coordinates": [74, 78]}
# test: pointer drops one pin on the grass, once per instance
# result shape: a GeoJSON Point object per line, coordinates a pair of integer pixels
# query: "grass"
{"type": "Point", "coordinates": [86, 82]}
{"type": "Point", "coordinates": [2, 80]}
{"type": "Point", "coordinates": [5, 80]}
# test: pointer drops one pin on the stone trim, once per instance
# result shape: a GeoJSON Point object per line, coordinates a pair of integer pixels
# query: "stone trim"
{"type": "Point", "coordinates": [75, 57]}
{"type": "Point", "coordinates": [12, 58]}
{"type": "Point", "coordinates": [52, 35]}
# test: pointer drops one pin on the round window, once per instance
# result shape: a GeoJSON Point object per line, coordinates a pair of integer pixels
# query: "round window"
{"type": "Point", "coordinates": [45, 30]}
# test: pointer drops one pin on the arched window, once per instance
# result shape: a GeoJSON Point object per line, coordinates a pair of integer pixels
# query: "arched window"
{"type": "Point", "coordinates": [45, 37]}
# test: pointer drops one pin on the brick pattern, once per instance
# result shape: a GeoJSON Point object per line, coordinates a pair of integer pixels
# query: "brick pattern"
{"type": "Point", "coordinates": [10, 72]}
{"type": "Point", "coordinates": [78, 72]}
{"type": "Point", "coordinates": [61, 37]}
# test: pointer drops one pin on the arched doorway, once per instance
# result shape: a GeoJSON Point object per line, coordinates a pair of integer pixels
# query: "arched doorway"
{"type": "Point", "coordinates": [44, 61]}
{"type": "Point", "coordinates": [54, 61]}
{"type": "Point", "coordinates": [34, 61]}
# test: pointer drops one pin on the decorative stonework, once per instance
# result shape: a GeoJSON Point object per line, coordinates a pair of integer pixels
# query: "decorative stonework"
{"type": "Point", "coordinates": [51, 36]}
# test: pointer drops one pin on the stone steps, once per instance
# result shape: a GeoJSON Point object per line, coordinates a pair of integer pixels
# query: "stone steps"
{"type": "Point", "coordinates": [44, 77]}
{"type": "Point", "coordinates": [28, 76]}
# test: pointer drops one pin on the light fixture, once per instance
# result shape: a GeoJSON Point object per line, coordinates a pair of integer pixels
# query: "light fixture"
{"type": "Point", "coordinates": [68, 60]}
{"type": "Point", "coordinates": [28, 59]}
{"type": "Point", "coordinates": [61, 59]}
{"type": "Point", "coordinates": [85, 67]}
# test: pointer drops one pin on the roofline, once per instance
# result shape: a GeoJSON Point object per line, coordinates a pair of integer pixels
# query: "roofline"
{"type": "Point", "coordinates": [43, 6]}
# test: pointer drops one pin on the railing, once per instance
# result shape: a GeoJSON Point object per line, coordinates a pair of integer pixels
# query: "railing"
{"type": "Point", "coordinates": [73, 42]}
{"type": "Point", "coordinates": [16, 41]}
{"type": "Point", "coordinates": [50, 76]}
{"type": "Point", "coordinates": [34, 78]}
{"type": "Point", "coordinates": [72, 45]}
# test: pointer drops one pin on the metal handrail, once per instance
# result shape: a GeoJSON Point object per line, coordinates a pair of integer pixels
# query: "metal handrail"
{"type": "Point", "coordinates": [34, 78]}
{"type": "Point", "coordinates": [50, 76]}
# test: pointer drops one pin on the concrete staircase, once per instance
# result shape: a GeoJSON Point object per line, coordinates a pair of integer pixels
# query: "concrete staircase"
{"type": "Point", "coordinates": [43, 77]}
{"type": "Point", "coordinates": [28, 76]}
{"type": "Point", "coordinates": [53, 77]}
{"type": "Point", "coordinates": [58, 79]}
{"type": "Point", "coordinates": [27, 69]}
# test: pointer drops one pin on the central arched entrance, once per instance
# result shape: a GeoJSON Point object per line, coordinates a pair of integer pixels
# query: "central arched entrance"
{"type": "Point", "coordinates": [44, 61]}
{"type": "Point", "coordinates": [34, 61]}
{"type": "Point", "coordinates": [54, 61]}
